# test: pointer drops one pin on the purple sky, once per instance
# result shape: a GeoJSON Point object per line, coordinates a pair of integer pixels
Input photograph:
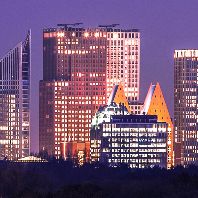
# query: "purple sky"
{"type": "Point", "coordinates": [165, 25]}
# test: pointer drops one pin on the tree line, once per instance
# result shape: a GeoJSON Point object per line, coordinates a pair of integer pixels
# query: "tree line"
{"type": "Point", "coordinates": [60, 178]}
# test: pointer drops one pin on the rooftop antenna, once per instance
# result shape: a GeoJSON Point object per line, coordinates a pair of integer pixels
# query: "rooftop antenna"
{"type": "Point", "coordinates": [65, 25]}
{"type": "Point", "coordinates": [109, 26]}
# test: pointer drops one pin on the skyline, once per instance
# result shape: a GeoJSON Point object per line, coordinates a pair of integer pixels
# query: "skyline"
{"type": "Point", "coordinates": [158, 32]}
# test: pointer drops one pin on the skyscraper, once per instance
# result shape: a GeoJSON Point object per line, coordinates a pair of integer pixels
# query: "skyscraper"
{"type": "Point", "coordinates": [74, 87]}
{"type": "Point", "coordinates": [186, 106]}
{"type": "Point", "coordinates": [15, 101]}
{"type": "Point", "coordinates": [80, 67]}
{"type": "Point", "coordinates": [123, 61]}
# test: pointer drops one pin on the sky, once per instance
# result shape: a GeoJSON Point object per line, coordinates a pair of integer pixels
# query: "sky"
{"type": "Point", "coordinates": [165, 25]}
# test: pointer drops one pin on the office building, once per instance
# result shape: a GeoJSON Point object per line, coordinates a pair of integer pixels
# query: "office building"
{"type": "Point", "coordinates": [74, 86]}
{"type": "Point", "coordinates": [80, 65]}
{"type": "Point", "coordinates": [123, 61]}
{"type": "Point", "coordinates": [15, 101]}
{"type": "Point", "coordinates": [139, 141]}
{"type": "Point", "coordinates": [120, 137]}
{"type": "Point", "coordinates": [117, 105]}
{"type": "Point", "coordinates": [186, 106]}
{"type": "Point", "coordinates": [155, 104]}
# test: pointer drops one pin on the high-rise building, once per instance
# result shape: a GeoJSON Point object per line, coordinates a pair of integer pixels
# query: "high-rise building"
{"type": "Point", "coordinates": [123, 61]}
{"type": "Point", "coordinates": [155, 104]}
{"type": "Point", "coordinates": [15, 101]}
{"type": "Point", "coordinates": [80, 65]}
{"type": "Point", "coordinates": [186, 106]}
{"type": "Point", "coordinates": [74, 87]}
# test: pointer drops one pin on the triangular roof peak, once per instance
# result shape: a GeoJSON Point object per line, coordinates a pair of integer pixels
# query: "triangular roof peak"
{"type": "Point", "coordinates": [155, 104]}
{"type": "Point", "coordinates": [118, 96]}
{"type": "Point", "coordinates": [154, 97]}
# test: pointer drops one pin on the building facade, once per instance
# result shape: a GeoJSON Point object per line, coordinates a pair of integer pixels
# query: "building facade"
{"type": "Point", "coordinates": [80, 66]}
{"type": "Point", "coordinates": [155, 104]}
{"type": "Point", "coordinates": [186, 106]}
{"type": "Point", "coordinates": [136, 107]}
{"type": "Point", "coordinates": [117, 105]}
{"type": "Point", "coordinates": [123, 61]}
{"type": "Point", "coordinates": [73, 88]}
{"type": "Point", "coordinates": [139, 141]}
{"type": "Point", "coordinates": [117, 136]}
{"type": "Point", "coordinates": [15, 72]}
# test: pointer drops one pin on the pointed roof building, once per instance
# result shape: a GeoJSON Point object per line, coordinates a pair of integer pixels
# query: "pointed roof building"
{"type": "Point", "coordinates": [118, 96]}
{"type": "Point", "coordinates": [116, 105]}
{"type": "Point", "coordinates": [155, 104]}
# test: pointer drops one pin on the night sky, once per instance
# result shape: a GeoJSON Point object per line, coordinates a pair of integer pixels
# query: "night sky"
{"type": "Point", "coordinates": [165, 25]}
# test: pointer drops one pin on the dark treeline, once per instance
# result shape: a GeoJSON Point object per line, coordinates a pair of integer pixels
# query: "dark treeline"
{"type": "Point", "coordinates": [59, 178]}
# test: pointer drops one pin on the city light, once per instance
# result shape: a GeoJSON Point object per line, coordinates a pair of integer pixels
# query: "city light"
{"type": "Point", "coordinates": [60, 34]}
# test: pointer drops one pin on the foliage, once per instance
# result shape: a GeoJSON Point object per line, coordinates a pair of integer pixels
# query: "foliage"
{"type": "Point", "coordinates": [59, 178]}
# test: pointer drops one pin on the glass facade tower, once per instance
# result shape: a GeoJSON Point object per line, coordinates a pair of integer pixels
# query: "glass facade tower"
{"type": "Point", "coordinates": [80, 67]}
{"type": "Point", "coordinates": [186, 106]}
{"type": "Point", "coordinates": [15, 101]}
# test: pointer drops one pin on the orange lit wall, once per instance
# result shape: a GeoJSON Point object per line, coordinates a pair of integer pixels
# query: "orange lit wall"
{"type": "Point", "coordinates": [78, 151]}
{"type": "Point", "coordinates": [121, 98]}
{"type": "Point", "coordinates": [158, 107]}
